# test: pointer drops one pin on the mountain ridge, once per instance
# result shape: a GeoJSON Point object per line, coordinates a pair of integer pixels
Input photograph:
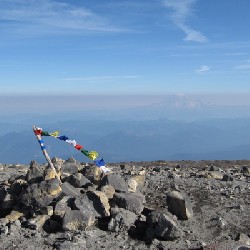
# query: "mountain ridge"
{"type": "Point", "coordinates": [118, 141]}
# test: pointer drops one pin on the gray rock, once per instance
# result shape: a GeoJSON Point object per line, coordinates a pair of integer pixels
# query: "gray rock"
{"type": "Point", "coordinates": [162, 226]}
{"type": "Point", "coordinates": [48, 210]}
{"type": "Point", "coordinates": [35, 174]}
{"type": "Point", "coordinates": [18, 186]}
{"type": "Point", "coordinates": [13, 216]}
{"type": "Point", "coordinates": [38, 222]}
{"type": "Point", "coordinates": [108, 190]}
{"type": "Point", "coordinates": [78, 180]}
{"type": "Point", "coordinates": [93, 173]}
{"type": "Point", "coordinates": [95, 202]}
{"type": "Point", "coordinates": [179, 204]}
{"type": "Point", "coordinates": [6, 199]}
{"type": "Point", "coordinates": [84, 204]}
{"type": "Point", "coordinates": [70, 166]}
{"type": "Point", "coordinates": [74, 220]}
{"type": "Point", "coordinates": [100, 202]}
{"type": "Point", "coordinates": [245, 170]}
{"type": "Point", "coordinates": [52, 187]}
{"type": "Point", "coordinates": [215, 175]}
{"type": "Point", "coordinates": [57, 163]}
{"type": "Point", "coordinates": [121, 220]}
{"type": "Point", "coordinates": [129, 201]}
{"type": "Point", "coordinates": [62, 206]}
{"type": "Point", "coordinates": [116, 181]}
{"type": "Point", "coordinates": [243, 239]}
{"type": "Point", "coordinates": [69, 190]}
{"type": "Point", "coordinates": [39, 195]}
{"type": "Point", "coordinates": [227, 177]}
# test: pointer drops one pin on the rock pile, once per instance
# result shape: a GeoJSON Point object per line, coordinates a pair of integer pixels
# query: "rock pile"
{"type": "Point", "coordinates": [160, 205]}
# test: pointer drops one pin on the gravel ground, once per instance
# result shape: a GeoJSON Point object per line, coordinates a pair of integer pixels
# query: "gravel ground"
{"type": "Point", "coordinates": [219, 192]}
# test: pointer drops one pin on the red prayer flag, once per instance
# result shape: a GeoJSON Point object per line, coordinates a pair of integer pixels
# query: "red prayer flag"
{"type": "Point", "coordinates": [38, 131]}
{"type": "Point", "coordinates": [79, 147]}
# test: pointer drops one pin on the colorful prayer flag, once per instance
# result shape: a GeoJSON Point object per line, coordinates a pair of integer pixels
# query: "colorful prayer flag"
{"type": "Point", "coordinates": [90, 154]}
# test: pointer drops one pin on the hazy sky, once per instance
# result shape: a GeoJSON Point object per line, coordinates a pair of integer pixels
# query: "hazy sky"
{"type": "Point", "coordinates": [126, 46]}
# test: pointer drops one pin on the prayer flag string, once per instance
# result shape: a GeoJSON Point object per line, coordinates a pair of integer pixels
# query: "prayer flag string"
{"type": "Point", "coordinates": [92, 155]}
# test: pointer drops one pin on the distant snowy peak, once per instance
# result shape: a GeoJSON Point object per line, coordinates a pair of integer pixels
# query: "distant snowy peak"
{"type": "Point", "coordinates": [180, 101]}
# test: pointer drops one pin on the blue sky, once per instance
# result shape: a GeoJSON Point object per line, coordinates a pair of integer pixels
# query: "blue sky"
{"type": "Point", "coordinates": [124, 47]}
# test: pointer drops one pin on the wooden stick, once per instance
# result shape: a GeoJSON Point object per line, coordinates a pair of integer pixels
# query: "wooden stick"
{"type": "Point", "coordinates": [40, 141]}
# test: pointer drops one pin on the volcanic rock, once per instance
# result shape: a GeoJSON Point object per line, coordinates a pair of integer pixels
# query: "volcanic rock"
{"type": "Point", "coordinates": [74, 220]}
{"type": "Point", "coordinates": [69, 167]}
{"type": "Point", "coordinates": [179, 204]}
{"type": "Point", "coordinates": [116, 181]}
{"type": "Point", "coordinates": [48, 210]}
{"type": "Point", "coordinates": [108, 190]}
{"type": "Point", "coordinates": [38, 222]}
{"type": "Point", "coordinates": [49, 174]}
{"type": "Point", "coordinates": [17, 187]}
{"type": "Point", "coordinates": [215, 174]}
{"type": "Point", "coordinates": [145, 205]}
{"type": "Point", "coordinates": [246, 171]}
{"type": "Point", "coordinates": [121, 219]}
{"type": "Point", "coordinates": [6, 198]}
{"type": "Point", "coordinates": [40, 194]}
{"type": "Point", "coordinates": [62, 206]}
{"type": "Point", "coordinates": [78, 180]}
{"type": "Point", "coordinates": [162, 226]}
{"type": "Point", "coordinates": [35, 173]}
{"type": "Point", "coordinates": [100, 202]}
{"type": "Point", "coordinates": [84, 204]}
{"type": "Point", "coordinates": [13, 216]}
{"type": "Point", "coordinates": [69, 190]}
{"type": "Point", "coordinates": [243, 238]}
{"type": "Point", "coordinates": [93, 173]}
{"type": "Point", "coordinates": [129, 201]}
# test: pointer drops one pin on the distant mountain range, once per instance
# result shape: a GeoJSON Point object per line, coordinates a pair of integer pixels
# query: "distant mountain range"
{"type": "Point", "coordinates": [115, 108]}
{"type": "Point", "coordinates": [133, 140]}
{"type": "Point", "coordinates": [175, 128]}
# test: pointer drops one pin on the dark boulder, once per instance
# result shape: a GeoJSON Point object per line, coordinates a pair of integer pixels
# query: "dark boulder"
{"type": "Point", "coordinates": [78, 180]}
{"type": "Point", "coordinates": [39, 195]}
{"type": "Point", "coordinates": [121, 220]}
{"type": "Point", "coordinates": [116, 181]}
{"type": "Point", "coordinates": [161, 226]}
{"type": "Point", "coordinates": [35, 173]}
{"type": "Point", "coordinates": [129, 201]}
{"type": "Point", "coordinates": [74, 220]}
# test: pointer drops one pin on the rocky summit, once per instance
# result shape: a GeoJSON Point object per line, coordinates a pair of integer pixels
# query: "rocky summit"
{"type": "Point", "coordinates": [138, 205]}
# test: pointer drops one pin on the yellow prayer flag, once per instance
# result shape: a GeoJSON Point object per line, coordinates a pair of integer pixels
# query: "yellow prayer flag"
{"type": "Point", "coordinates": [55, 134]}
{"type": "Point", "coordinates": [93, 155]}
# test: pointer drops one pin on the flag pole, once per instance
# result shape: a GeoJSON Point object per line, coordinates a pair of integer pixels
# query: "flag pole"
{"type": "Point", "coordinates": [37, 132]}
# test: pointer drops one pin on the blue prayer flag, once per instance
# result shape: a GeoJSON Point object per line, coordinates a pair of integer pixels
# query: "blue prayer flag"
{"type": "Point", "coordinates": [100, 163]}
